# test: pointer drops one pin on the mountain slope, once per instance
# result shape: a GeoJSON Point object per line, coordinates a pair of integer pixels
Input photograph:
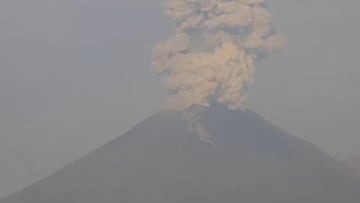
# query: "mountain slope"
{"type": "Point", "coordinates": [353, 166]}
{"type": "Point", "coordinates": [159, 161]}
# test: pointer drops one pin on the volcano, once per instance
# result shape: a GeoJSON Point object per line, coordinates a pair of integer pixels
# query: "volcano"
{"type": "Point", "coordinates": [353, 165]}
{"type": "Point", "coordinates": [160, 161]}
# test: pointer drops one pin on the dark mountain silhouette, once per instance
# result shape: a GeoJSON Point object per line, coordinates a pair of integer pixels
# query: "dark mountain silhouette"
{"type": "Point", "coordinates": [159, 161]}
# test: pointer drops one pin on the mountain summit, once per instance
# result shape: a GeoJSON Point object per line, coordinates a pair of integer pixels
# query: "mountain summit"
{"type": "Point", "coordinates": [160, 161]}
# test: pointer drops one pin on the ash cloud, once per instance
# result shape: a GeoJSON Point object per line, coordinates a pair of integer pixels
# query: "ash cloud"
{"type": "Point", "coordinates": [213, 49]}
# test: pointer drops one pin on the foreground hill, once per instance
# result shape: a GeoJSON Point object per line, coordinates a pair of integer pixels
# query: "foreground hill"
{"type": "Point", "coordinates": [159, 161]}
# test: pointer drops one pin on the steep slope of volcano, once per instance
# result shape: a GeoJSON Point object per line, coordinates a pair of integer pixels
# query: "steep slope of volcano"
{"type": "Point", "coordinates": [353, 166]}
{"type": "Point", "coordinates": [159, 161]}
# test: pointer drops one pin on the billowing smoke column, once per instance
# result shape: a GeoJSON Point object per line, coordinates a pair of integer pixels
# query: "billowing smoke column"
{"type": "Point", "coordinates": [212, 52]}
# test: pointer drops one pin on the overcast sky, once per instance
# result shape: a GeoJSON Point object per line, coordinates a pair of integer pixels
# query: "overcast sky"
{"type": "Point", "coordinates": [75, 74]}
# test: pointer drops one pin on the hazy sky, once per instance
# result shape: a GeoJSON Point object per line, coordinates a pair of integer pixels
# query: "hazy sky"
{"type": "Point", "coordinates": [76, 73]}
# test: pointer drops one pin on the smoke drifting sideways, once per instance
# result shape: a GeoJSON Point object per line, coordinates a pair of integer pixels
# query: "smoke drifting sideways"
{"type": "Point", "coordinates": [212, 53]}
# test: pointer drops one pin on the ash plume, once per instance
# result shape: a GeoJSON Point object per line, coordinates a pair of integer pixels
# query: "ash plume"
{"type": "Point", "coordinates": [212, 52]}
